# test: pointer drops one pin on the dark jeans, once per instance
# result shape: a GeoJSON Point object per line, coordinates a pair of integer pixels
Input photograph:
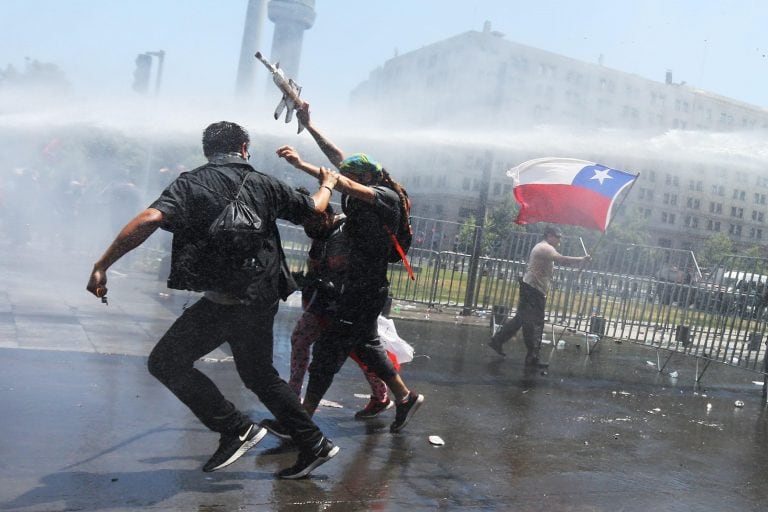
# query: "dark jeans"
{"type": "Point", "coordinates": [354, 329]}
{"type": "Point", "coordinates": [248, 330]}
{"type": "Point", "coordinates": [529, 316]}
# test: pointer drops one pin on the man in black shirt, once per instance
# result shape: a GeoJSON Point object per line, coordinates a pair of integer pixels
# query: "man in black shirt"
{"type": "Point", "coordinates": [242, 287]}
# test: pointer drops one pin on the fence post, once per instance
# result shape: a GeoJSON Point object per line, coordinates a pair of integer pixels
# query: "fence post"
{"type": "Point", "coordinates": [474, 260]}
{"type": "Point", "coordinates": [435, 277]}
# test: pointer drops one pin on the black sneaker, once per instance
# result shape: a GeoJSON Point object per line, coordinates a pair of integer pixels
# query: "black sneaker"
{"type": "Point", "coordinates": [373, 408]}
{"type": "Point", "coordinates": [405, 411]}
{"type": "Point", "coordinates": [275, 428]}
{"type": "Point", "coordinates": [232, 447]}
{"type": "Point", "coordinates": [496, 346]}
{"type": "Point", "coordinates": [309, 460]}
{"type": "Point", "coordinates": [533, 361]}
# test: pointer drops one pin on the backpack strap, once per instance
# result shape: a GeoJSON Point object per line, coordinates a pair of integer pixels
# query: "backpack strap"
{"type": "Point", "coordinates": [215, 192]}
{"type": "Point", "coordinates": [400, 251]}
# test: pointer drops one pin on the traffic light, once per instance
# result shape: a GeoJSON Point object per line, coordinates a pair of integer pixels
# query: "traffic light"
{"type": "Point", "coordinates": [142, 72]}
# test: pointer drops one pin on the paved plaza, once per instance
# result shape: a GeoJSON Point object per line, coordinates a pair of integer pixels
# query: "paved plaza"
{"type": "Point", "coordinates": [85, 427]}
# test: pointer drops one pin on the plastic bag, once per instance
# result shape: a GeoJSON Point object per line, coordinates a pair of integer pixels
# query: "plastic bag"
{"type": "Point", "coordinates": [392, 342]}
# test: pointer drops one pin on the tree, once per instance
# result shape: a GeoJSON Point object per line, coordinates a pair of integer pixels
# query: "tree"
{"type": "Point", "coordinates": [715, 248]}
{"type": "Point", "coordinates": [37, 75]}
{"type": "Point", "coordinates": [755, 252]}
{"type": "Point", "coordinates": [499, 225]}
{"type": "Point", "coordinates": [629, 229]}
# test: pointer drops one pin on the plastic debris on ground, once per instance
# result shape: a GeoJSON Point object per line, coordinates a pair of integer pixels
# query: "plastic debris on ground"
{"type": "Point", "coordinates": [436, 440]}
{"type": "Point", "coordinates": [738, 403]}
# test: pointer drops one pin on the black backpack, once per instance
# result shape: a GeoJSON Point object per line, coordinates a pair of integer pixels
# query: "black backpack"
{"type": "Point", "coordinates": [402, 239]}
{"type": "Point", "coordinates": [237, 255]}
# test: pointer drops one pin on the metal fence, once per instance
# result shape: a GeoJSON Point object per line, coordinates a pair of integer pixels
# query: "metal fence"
{"type": "Point", "coordinates": [653, 296]}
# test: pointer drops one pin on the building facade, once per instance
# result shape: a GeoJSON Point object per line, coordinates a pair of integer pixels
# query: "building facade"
{"type": "Point", "coordinates": [702, 167]}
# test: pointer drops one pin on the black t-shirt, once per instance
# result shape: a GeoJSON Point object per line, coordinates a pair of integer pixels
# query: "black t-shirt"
{"type": "Point", "coordinates": [369, 242]}
{"type": "Point", "coordinates": [194, 199]}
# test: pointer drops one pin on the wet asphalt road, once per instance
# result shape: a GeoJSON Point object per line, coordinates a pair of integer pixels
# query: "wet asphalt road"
{"type": "Point", "coordinates": [85, 427]}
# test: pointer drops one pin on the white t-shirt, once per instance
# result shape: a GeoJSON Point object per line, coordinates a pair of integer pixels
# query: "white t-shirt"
{"type": "Point", "coordinates": [541, 266]}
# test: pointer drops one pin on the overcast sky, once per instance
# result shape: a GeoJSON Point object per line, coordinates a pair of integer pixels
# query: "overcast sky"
{"type": "Point", "coordinates": [716, 45]}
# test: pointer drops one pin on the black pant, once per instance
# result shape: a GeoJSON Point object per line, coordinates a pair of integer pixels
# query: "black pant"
{"type": "Point", "coordinates": [354, 328]}
{"type": "Point", "coordinates": [529, 316]}
{"type": "Point", "coordinates": [248, 330]}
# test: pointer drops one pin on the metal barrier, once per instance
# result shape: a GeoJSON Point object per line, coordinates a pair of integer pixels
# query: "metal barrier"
{"type": "Point", "coordinates": [654, 296]}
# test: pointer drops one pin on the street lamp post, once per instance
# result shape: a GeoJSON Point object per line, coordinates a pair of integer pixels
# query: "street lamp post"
{"type": "Point", "coordinates": [470, 294]}
{"type": "Point", "coordinates": [160, 54]}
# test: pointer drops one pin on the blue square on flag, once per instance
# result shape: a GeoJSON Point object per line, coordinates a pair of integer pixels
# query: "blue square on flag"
{"type": "Point", "coordinates": [602, 179]}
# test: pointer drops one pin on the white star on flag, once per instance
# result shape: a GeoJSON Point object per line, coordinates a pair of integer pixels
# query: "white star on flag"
{"type": "Point", "coordinates": [601, 175]}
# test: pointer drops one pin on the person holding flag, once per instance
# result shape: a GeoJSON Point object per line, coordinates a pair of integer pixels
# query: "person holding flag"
{"type": "Point", "coordinates": [561, 191]}
{"type": "Point", "coordinates": [533, 297]}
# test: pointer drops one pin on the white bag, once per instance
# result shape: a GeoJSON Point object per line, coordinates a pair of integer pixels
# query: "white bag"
{"type": "Point", "coordinates": [392, 342]}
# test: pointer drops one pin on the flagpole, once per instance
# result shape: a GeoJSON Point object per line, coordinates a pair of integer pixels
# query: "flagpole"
{"type": "Point", "coordinates": [622, 200]}
{"type": "Point", "coordinates": [613, 214]}
{"type": "Point", "coordinates": [602, 237]}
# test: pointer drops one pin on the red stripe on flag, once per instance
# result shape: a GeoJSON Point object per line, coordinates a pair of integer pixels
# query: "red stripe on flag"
{"type": "Point", "coordinates": [562, 204]}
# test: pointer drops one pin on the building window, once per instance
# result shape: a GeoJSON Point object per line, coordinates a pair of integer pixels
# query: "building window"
{"type": "Point", "coordinates": [466, 183]}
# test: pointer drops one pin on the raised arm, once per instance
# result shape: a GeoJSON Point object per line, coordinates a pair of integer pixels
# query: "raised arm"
{"type": "Point", "coordinates": [334, 154]}
{"type": "Point", "coordinates": [343, 184]}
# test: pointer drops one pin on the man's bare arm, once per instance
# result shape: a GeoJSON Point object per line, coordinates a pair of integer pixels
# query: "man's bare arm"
{"type": "Point", "coordinates": [131, 236]}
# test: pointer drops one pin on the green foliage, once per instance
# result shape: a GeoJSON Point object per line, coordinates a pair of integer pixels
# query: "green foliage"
{"type": "Point", "coordinates": [755, 252]}
{"type": "Point", "coordinates": [714, 249]}
{"type": "Point", "coordinates": [629, 229]}
{"type": "Point", "coordinates": [499, 224]}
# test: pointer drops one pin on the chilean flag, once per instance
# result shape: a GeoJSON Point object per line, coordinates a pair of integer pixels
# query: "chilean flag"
{"type": "Point", "coordinates": [567, 191]}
